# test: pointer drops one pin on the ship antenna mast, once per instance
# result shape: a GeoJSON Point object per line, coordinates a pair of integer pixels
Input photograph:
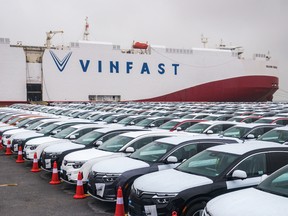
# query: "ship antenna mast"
{"type": "Point", "coordinates": [86, 31]}
{"type": "Point", "coordinates": [204, 40]}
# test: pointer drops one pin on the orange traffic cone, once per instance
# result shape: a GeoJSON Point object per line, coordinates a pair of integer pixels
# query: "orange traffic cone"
{"type": "Point", "coordinates": [35, 167]}
{"type": "Point", "coordinates": [119, 211]}
{"type": "Point", "coordinates": [1, 146]}
{"type": "Point", "coordinates": [55, 178]}
{"type": "Point", "coordinates": [8, 148]}
{"type": "Point", "coordinates": [174, 213]}
{"type": "Point", "coordinates": [20, 156]}
{"type": "Point", "coordinates": [79, 188]}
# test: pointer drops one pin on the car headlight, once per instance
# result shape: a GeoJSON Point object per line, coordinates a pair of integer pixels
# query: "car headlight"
{"type": "Point", "coordinates": [164, 198]}
{"type": "Point", "coordinates": [54, 154]}
{"type": "Point", "coordinates": [77, 165]}
{"type": "Point", "coordinates": [31, 147]}
{"type": "Point", "coordinates": [110, 177]}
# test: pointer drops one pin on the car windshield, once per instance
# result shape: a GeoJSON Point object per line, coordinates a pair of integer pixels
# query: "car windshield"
{"type": "Point", "coordinates": [152, 152]}
{"type": "Point", "coordinates": [267, 121]}
{"type": "Point", "coordinates": [168, 125]}
{"type": "Point", "coordinates": [86, 139]}
{"type": "Point", "coordinates": [236, 119]}
{"type": "Point", "coordinates": [48, 128]}
{"type": "Point", "coordinates": [24, 122]}
{"type": "Point", "coordinates": [277, 183]}
{"type": "Point", "coordinates": [207, 163]}
{"type": "Point", "coordinates": [236, 132]}
{"type": "Point", "coordinates": [144, 122]}
{"type": "Point", "coordinates": [62, 134]}
{"type": "Point", "coordinates": [115, 143]}
{"type": "Point", "coordinates": [126, 120]}
{"type": "Point", "coordinates": [278, 136]}
{"type": "Point", "coordinates": [197, 128]}
{"type": "Point", "coordinates": [110, 119]}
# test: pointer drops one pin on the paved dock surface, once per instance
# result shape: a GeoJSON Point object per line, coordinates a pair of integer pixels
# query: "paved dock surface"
{"type": "Point", "coordinates": [26, 193]}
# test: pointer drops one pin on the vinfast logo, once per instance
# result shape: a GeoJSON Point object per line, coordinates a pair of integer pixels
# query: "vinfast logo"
{"type": "Point", "coordinates": [61, 64]}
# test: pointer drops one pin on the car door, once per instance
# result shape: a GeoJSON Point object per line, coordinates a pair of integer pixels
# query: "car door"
{"type": "Point", "coordinates": [255, 167]}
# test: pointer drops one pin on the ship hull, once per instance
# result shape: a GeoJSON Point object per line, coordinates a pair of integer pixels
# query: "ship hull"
{"type": "Point", "coordinates": [241, 89]}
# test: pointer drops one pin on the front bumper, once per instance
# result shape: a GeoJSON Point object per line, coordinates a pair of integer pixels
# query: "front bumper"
{"type": "Point", "coordinates": [100, 190]}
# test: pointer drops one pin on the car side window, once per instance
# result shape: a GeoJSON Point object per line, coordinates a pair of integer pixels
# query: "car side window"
{"type": "Point", "coordinates": [254, 165]}
{"type": "Point", "coordinates": [110, 135]}
{"type": "Point", "coordinates": [185, 152]}
{"type": "Point", "coordinates": [278, 159]}
{"type": "Point", "coordinates": [84, 131]}
{"type": "Point", "coordinates": [141, 142]}
{"type": "Point", "coordinates": [257, 132]}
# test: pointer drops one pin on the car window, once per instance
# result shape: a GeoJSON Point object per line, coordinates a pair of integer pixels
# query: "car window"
{"type": "Point", "coordinates": [278, 159]}
{"type": "Point", "coordinates": [254, 165]}
{"type": "Point", "coordinates": [185, 152]}
{"type": "Point", "coordinates": [207, 163]}
{"type": "Point", "coordinates": [277, 185]}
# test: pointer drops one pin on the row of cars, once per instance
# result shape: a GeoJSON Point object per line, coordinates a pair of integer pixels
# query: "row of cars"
{"type": "Point", "coordinates": [182, 183]}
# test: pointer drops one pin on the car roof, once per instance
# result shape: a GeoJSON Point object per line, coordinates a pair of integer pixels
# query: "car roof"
{"type": "Point", "coordinates": [176, 140]}
{"type": "Point", "coordinates": [253, 125]}
{"type": "Point", "coordinates": [108, 129]}
{"type": "Point", "coordinates": [80, 125]}
{"type": "Point", "coordinates": [242, 148]}
{"type": "Point", "coordinates": [134, 134]}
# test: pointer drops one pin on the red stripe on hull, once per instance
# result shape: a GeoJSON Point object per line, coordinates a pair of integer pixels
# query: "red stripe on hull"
{"type": "Point", "coordinates": [240, 89]}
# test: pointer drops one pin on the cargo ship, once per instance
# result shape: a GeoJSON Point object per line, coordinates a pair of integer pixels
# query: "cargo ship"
{"type": "Point", "coordinates": [86, 71]}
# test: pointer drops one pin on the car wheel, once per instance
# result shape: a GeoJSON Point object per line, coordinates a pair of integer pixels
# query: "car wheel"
{"type": "Point", "coordinates": [196, 209]}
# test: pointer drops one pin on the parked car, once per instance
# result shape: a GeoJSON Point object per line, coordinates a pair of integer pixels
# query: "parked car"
{"type": "Point", "coordinates": [273, 120]}
{"type": "Point", "coordinates": [166, 153]}
{"type": "Point", "coordinates": [87, 141]}
{"type": "Point", "coordinates": [212, 172]}
{"type": "Point", "coordinates": [209, 127]}
{"type": "Point", "coordinates": [245, 131]}
{"type": "Point", "coordinates": [70, 133]}
{"type": "Point", "coordinates": [270, 197]}
{"type": "Point", "coordinates": [178, 124]}
{"type": "Point", "coordinates": [121, 145]}
{"type": "Point", "coordinates": [278, 135]}
{"type": "Point", "coordinates": [245, 119]}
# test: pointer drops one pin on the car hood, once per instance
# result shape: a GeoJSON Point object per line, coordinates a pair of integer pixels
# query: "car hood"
{"type": "Point", "coordinates": [27, 134]}
{"type": "Point", "coordinates": [248, 202]}
{"type": "Point", "coordinates": [171, 181]}
{"type": "Point", "coordinates": [86, 154]}
{"type": "Point", "coordinates": [8, 127]}
{"type": "Point", "coordinates": [40, 140]}
{"type": "Point", "coordinates": [14, 131]}
{"type": "Point", "coordinates": [63, 147]}
{"type": "Point", "coordinates": [118, 165]}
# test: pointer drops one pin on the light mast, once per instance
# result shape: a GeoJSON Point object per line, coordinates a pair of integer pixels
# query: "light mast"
{"type": "Point", "coordinates": [86, 31]}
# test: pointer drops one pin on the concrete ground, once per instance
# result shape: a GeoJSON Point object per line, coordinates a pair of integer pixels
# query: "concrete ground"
{"type": "Point", "coordinates": [24, 193]}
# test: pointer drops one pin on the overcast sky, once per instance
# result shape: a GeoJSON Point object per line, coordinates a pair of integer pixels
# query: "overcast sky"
{"type": "Point", "coordinates": [257, 25]}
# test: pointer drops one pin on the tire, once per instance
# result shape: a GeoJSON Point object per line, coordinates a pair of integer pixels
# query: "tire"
{"type": "Point", "coordinates": [196, 209]}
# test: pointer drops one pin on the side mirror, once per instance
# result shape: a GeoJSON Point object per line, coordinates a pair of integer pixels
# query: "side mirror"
{"type": "Point", "coordinates": [178, 128]}
{"type": "Point", "coordinates": [152, 125]}
{"type": "Point", "coordinates": [132, 123]}
{"type": "Point", "coordinates": [239, 174]}
{"type": "Point", "coordinates": [98, 143]}
{"type": "Point", "coordinates": [250, 136]}
{"type": "Point", "coordinates": [209, 132]}
{"type": "Point", "coordinates": [115, 121]}
{"type": "Point", "coordinates": [72, 137]}
{"type": "Point", "coordinates": [130, 150]}
{"type": "Point", "coordinates": [172, 159]}
{"type": "Point", "coordinates": [55, 131]}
